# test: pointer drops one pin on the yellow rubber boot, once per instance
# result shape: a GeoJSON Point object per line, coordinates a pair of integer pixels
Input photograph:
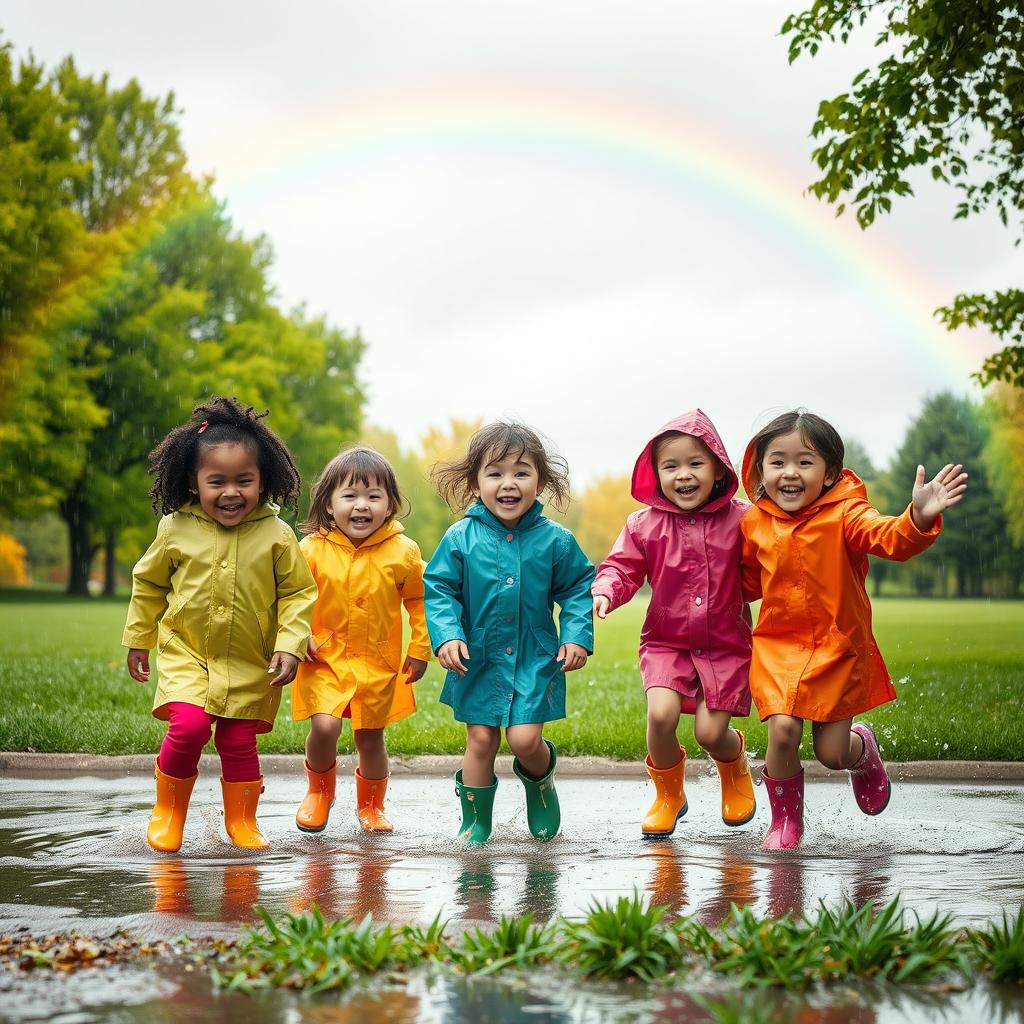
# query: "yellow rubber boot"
{"type": "Point", "coordinates": [318, 801]}
{"type": "Point", "coordinates": [738, 804]}
{"type": "Point", "coordinates": [670, 803]}
{"type": "Point", "coordinates": [240, 800]}
{"type": "Point", "coordinates": [167, 822]}
{"type": "Point", "coordinates": [370, 804]}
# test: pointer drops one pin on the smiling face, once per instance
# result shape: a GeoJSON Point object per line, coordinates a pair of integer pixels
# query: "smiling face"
{"type": "Point", "coordinates": [359, 508]}
{"type": "Point", "coordinates": [793, 473]}
{"type": "Point", "coordinates": [227, 482]}
{"type": "Point", "coordinates": [508, 487]}
{"type": "Point", "coordinates": [687, 471]}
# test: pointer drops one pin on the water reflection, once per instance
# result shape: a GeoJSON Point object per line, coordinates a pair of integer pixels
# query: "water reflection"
{"type": "Point", "coordinates": [666, 885]}
{"type": "Point", "coordinates": [785, 887]}
{"type": "Point", "coordinates": [172, 892]}
{"type": "Point", "coordinates": [474, 894]}
{"type": "Point", "coordinates": [540, 892]}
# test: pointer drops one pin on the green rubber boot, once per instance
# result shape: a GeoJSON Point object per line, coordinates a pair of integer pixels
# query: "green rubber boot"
{"type": "Point", "coordinates": [477, 805]}
{"type": "Point", "coordinates": [542, 811]}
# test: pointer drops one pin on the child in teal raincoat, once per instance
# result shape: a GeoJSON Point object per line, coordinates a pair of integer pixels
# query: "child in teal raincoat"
{"type": "Point", "coordinates": [490, 590]}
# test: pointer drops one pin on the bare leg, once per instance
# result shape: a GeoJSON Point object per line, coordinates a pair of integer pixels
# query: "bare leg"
{"type": "Point", "coordinates": [527, 743]}
{"type": "Point", "coordinates": [372, 753]}
{"type": "Point", "coordinates": [482, 743]}
{"type": "Point", "coordinates": [322, 742]}
{"type": "Point", "coordinates": [711, 730]}
{"type": "Point", "coordinates": [782, 759]}
{"type": "Point", "coordinates": [663, 709]}
{"type": "Point", "coordinates": [835, 746]}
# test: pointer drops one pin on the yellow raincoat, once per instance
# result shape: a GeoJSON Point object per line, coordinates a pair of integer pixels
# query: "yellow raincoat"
{"type": "Point", "coordinates": [217, 602]}
{"type": "Point", "coordinates": [357, 627]}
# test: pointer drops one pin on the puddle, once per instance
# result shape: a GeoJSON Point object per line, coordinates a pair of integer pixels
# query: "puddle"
{"type": "Point", "coordinates": [73, 855]}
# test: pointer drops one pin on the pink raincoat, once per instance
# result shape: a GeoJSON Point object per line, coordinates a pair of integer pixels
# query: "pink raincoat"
{"type": "Point", "coordinates": [697, 632]}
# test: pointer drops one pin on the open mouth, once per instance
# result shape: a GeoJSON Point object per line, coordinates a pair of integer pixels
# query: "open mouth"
{"type": "Point", "coordinates": [231, 509]}
{"type": "Point", "coordinates": [360, 520]}
{"type": "Point", "coordinates": [687, 492]}
{"type": "Point", "coordinates": [791, 492]}
{"type": "Point", "coordinates": [509, 502]}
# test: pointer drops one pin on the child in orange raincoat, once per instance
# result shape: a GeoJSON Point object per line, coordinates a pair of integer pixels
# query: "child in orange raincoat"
{"type": "Point", "coordinates": [366, 569]}
{"type": "Point", "coordinates": [805, 548]}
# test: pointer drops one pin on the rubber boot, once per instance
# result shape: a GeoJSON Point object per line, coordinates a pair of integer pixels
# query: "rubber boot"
{"type": "Point", "coordinates": [167, 822]}
{"type": "Point", "coordinates": [319, 799]}
{"type": "Point", "coordinates": [786, 799]}
{"type": "Point", "coordinates": [543, 814]}
{"type": "Point", "coordinates": [477, 808]}
{"type": "Point", "coordinates": [669, 801]}
{"type": "Point", "coordinates": [240, 800]}
{"type": "Point", "coordinates": [738, 804]}
{"type": "Point", "coordinates": [370, 804]}
{"type": "Point", "coordinates": [871, 786]}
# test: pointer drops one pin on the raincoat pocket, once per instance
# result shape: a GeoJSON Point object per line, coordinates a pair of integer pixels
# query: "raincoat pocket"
{"type": "Point", "coordinates": [477, 644]}
{"type": "Point", "coordinates": [325, 641]}
{"type": "Point", "coordinates": [389, 655]}
{"type": "Point", "coordinates": [546, 639]}
{"type": "Point", "coordinates": [263, 623]}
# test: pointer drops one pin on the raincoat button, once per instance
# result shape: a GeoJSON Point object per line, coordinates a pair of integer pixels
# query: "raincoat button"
{"type": "Point", "coordinates": [508, 618]}
{"type": "Point", "coordinates": [508, 536]}
{"type": "Point", "coordinates": [510, 581]}
{"type": "Point", "coordinates": [220, 610]}
{"type": "Point", "coordinates": [693, 521]}
{"type": "Point", "coordinates": [698, 651]}
{"type": "Point", "coordinates": [224, 564]}
{"type": "Point", "coordinates": [697, 600]}
{"type": "Point", "coordinates": [360, 601]}
{"type": "Point", "coordinates": [508, 650]}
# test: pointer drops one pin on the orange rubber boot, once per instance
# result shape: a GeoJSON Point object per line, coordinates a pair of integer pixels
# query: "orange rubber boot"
{"type": "Point", "coordinates": [167, 822]}
{"type": "Point", "coordinates": [240, 800]}
{"type": "Point", "coordinates": [737, 789]}
{"type": "Point", "coordinates": [670, 803]}
{"type": "Point", "coordinates": [370, 804]}
{"type": "Point", "coordinates": [318, 801]}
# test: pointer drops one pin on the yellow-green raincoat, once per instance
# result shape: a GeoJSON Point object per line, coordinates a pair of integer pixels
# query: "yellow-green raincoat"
{"type": "Point", "coordinates": [357, 627]}
{"type": "Point", "coordinates": [217, 602]}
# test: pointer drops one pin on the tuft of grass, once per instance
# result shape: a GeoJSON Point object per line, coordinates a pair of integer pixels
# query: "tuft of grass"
{"type": "Point", "coordinates": [625, 939]}
{"type": "Point", "coordinates": [1000, 950]}
{"type": "Point", "coordinates": [862, 942]}
{"type": "Point", "coordinates": [515, 942]}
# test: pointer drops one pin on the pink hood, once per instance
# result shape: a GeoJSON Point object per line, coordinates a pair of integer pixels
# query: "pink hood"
{"type": "Point", "coordinates": [645, 486]}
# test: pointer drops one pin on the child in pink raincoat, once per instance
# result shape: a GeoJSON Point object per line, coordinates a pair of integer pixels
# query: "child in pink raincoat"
{"type": "Point", "coordinates": [695, 642]}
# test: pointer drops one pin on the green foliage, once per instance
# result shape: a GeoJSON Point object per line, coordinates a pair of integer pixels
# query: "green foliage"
{"type": "Point", "coordinates": [1000, 950]}
{"type": "Point", "coordinates": [948, 99]}
{"type": "Point", "coordinates": [626, 939]}
{"type": "Point", "coordinates": [515, 942]}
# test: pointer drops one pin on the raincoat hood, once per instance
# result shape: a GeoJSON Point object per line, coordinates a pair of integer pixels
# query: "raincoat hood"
{"type": "Point", "coordinates": [645, 487]}
{"type": "Point", "coordinates": [849, 485]}
{"type": "Point", "coordinates": [392, 528]}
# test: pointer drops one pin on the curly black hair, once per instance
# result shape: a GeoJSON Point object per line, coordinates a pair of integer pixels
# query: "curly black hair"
{"type": "Point", "coordinates": [174, 461]}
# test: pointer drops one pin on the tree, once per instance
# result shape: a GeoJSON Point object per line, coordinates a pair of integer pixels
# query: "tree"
{"type": "Point", "coordinates": [604, 507]}
{"type": "Point", "coordinates": [974, 540]}
{"type": "Point", "coordinates": [1004, 456]}
{"type": "Point", "coordinates": [948, 99]}
{"type": "Point", "coordinates": [859, 461]}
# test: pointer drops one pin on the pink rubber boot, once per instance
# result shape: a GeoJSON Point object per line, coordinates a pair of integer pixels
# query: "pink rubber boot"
{"type": "Point", "coordinates": [871, 786]}
{"type": "Point", "coordinates": [786, 798]}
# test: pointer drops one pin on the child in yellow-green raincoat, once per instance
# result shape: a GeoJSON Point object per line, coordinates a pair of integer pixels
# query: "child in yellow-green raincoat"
{"type": "Point", "coordinates": [225, 596]}
{"type": "Point", "coordinates": [366, 569]}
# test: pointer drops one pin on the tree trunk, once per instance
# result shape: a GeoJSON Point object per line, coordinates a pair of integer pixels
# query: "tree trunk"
{"type": "Point", "coordinates": [75, 513]}
{"type": "Point", "coordinates": [110, 564]}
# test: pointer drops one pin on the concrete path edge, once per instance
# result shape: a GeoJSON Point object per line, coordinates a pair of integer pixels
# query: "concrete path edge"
{"type": "Point", "coordinates": [28, 762]}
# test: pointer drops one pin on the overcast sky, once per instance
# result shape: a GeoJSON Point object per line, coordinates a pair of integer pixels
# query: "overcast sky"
{"type": "Point", "coordinates": [587, 215]}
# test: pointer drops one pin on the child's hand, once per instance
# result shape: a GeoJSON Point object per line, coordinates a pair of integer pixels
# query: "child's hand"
{"type": "Point", "coordinates": [311, 650]}
{"type": "Point", "coordinates": [285, 665]}
{"type": "Point", "coordinates": [414, 669]}
{"type": "Point", "coordinates": [453, 655]}
{"type": "Point", "coordinates": [934, 497]}
{"type": "Point", "coordinates": [573, 656]}
{"type": "Point", "coordinates": [602, 605]}
{"type": "Point", "coordinates": [138, 664]}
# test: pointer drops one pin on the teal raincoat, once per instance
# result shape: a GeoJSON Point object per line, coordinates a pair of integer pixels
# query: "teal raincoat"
{"type": "Point", "coordinates": [494, 588]}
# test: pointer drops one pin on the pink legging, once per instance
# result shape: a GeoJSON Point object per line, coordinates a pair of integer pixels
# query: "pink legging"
{"type": "Point", "coordinates": [189, 730]}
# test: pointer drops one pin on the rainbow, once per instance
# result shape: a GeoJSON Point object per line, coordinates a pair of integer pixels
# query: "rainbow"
{"type": "Point", "coordinates": [388, 125]}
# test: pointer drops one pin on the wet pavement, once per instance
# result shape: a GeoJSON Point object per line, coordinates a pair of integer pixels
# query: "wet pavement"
{"type": "Point", "coordinates": [73, 855]}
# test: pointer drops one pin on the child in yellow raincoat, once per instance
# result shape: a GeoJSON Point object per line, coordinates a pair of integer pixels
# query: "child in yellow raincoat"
{"type": "Point", "coordinates": [366, 569]}
{"type": "Point", "coordinates": [225, 596]}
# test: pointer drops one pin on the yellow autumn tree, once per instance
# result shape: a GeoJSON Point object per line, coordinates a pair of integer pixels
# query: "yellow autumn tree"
{"type": "Point", "coordinates": [12, 562]}
{"type": "Point", "coordinates": [603, 509]}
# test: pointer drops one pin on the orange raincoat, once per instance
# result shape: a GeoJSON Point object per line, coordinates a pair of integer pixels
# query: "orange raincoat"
{"type": "Point", "coordinates": [357, 627]}
{"type": "Point", "coordinates": [814, 654]}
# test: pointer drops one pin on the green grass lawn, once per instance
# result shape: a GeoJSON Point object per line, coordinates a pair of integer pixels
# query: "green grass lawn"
{"type": "Point", "coordinates": [958, 666]}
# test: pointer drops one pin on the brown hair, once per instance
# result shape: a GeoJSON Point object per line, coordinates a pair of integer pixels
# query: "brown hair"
{"type": "Point", "coordinates": [361, 465]}
{"type": "Point", "coordinates": [818, 433]}
{"type": "Point", "coordinates": [455, 480]}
